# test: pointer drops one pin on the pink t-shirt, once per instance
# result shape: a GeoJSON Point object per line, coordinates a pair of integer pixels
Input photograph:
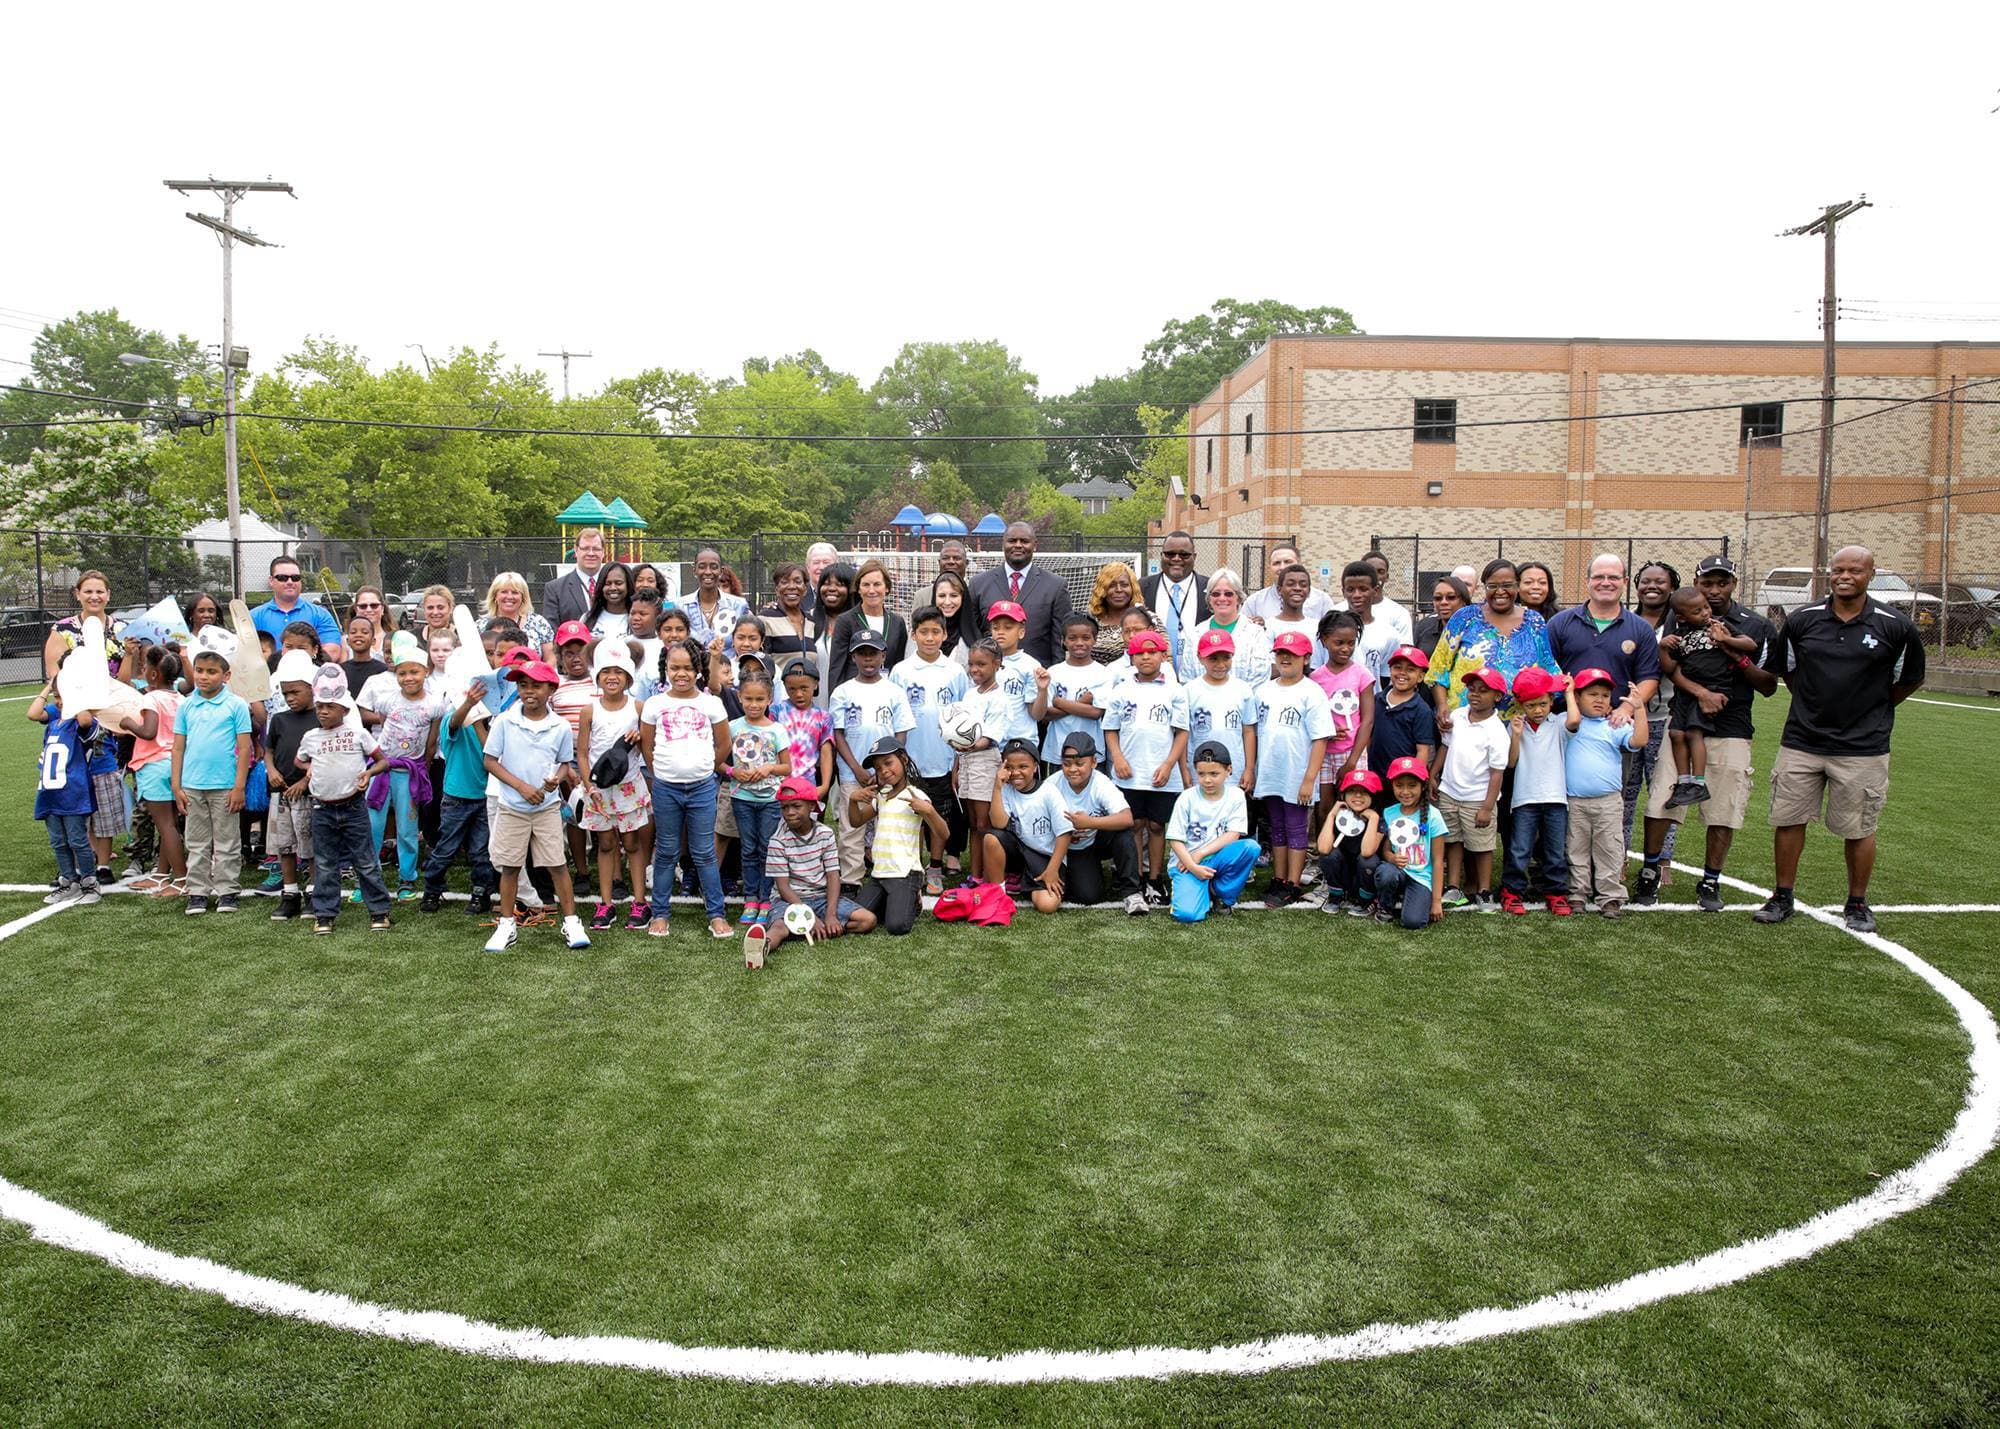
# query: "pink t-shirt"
{"type": "Point", "coordinates": [1343, 694]}
{"type": "Point", "coordinates": [151, 751]}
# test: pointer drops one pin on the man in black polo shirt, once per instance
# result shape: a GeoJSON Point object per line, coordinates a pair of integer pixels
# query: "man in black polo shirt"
{"type": "Point", "coordinates": [1849, 662]}
{"type": "Point", "coordinates": [1729, 769]}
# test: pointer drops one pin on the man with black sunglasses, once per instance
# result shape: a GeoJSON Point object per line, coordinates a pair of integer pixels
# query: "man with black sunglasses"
{"type": "Point", "coordinates": [288, 603]}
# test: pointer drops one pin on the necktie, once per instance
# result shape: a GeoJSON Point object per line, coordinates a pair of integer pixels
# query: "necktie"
{"type": "Point", "coordinates": [1175, 598]}
{"type": "Point", "coordinates": [1014, 578]}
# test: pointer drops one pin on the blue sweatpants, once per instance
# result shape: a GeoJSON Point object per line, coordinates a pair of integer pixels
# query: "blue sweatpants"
{"type": "Point", "coordinates": [1233, 863]}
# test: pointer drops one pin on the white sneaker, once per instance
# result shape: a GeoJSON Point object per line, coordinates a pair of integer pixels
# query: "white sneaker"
{"type": "Point", "coordinates": [1309, 875]}
{"type": "Point", "coordinates": [87, 895]}
{"type": "Point", "coordinates": [64, 892]}
{"type": "Point", "coordinates": [1135, 905]}
{"type": "Point", "coordinates": [503, 937]}
{"type": "Point", "coordinates": [573, 933]}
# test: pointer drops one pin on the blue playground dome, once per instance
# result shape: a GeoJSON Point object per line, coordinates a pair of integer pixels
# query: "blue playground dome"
{"type": "Point", "coordinates": [911, 518]}
{"type": "Point", "coordinates": [990, 525]}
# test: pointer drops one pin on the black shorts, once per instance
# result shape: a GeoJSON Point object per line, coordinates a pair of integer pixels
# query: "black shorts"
{"type": "Point", "coordinates": [1686, 714]}
{"type": "Point", "coordinates": [1150, 805]}
{"type": "Point", "coordinates": [1020, 858]}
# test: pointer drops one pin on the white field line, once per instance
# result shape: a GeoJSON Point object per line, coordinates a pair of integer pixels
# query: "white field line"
{"type": "Point", "coordinates": [1971, 1136]}
{"type": "Point", "coordinates": [1953, 705]}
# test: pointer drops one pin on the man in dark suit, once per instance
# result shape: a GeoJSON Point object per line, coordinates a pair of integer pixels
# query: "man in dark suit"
{"type": "Point", "coordinates": [1177, 597]}
{"type": "Point", "coordinates": [569, 598]}
{"type": "Point", "coordinates": [1019, 579]}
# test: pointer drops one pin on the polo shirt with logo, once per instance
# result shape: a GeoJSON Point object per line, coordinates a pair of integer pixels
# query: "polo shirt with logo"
{"type": "Point", "coordinates": [1840, 673]}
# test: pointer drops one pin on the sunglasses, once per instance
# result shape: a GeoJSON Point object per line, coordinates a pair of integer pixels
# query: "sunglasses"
{"type": "Point", "coordinates": [367, 605]}
{"type": "Point", "coordinates": [294, 576]}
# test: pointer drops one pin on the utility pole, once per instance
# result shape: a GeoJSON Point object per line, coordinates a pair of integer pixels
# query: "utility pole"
{"type": "Point", "coordinates": [1824, 226]}
{"type": "Point", "coordinates": [234, 358]}
{"type": "Point", "coordinates": [565, 354]}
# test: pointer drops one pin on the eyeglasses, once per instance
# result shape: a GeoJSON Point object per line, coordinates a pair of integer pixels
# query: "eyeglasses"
{"type": "Point", "coordinates": [281, 576]}
{"type": "Point", "coordinates": [1503, 585]}
{"type": "Point", "coordinates": [367, 605]}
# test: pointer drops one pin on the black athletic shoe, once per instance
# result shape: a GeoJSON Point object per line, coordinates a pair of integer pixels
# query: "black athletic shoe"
{"type": "Point", "coordinates": [1646, 888]}
{"type": "Point", "coordinates": [1858, 916]}
{"type": "Point", "coordinates": [431, 902]}
{"type": "Point", "coordinates": [1219, 909]}
{"type": "Point", "coordinates": [1707, 896]}
{"type": "Point", "coordinates": [1777, 908]}
{"type": "Point", "coordinates": [480, 904]}
{"type": "Point", "coordinates": [196, 905]}
{"type": "Point", "coordinates": [290, 905]}
{"type": "Point", "coordinates": [226, 903]}
{"type": "Point", "coordinates": [1684, 792]}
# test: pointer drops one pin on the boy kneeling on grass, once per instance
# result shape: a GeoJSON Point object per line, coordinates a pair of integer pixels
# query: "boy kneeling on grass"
{"type": "Point", "coordinates": [803, 862]}
{"type": "Point", "coordinates": [1208, 840]}
{"type": "Point", "coordinates": [533, 754]}
{"type": "Point", "coordinates": [1029, 828]}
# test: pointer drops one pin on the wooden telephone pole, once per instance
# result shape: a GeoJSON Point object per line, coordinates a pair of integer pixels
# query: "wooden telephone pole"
{"type": "Point", "coordinates": [1825, 225]}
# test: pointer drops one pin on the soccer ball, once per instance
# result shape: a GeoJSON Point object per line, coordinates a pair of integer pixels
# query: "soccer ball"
{"type": "Point", "coordinates": [960, 727]}
{"type": "Point", "coordinates": [1404, 834]}
{"type": "Point", "coordinates": [1345, 703]}
{"type": "Point", "coordinates": [1348, 823]}
{"type": "Point", "coordinates": [748, 748]}
{"type": "Point", "coordinates": [799, 919]}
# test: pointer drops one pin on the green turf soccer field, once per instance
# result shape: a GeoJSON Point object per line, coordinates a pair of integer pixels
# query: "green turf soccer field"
{"type": "Point", "coordinates": [1103, 1169]}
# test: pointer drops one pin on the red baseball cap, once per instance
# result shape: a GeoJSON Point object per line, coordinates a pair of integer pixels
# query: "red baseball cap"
{"type": "Point", "coordinates": [797, 789]}
{"type": "Point", "coordinates": [1362, 779]}
{"type": "Point", "coordinates": [573, 630]}
{"type": "Point", "coordinates": [1292, 643]}
{"type": "Point", "coordinates": [1216, 642]}
{"type": "Point", "coordinates": [519, 655]}
{"type": "Point", "coordinates": [540, 671]}
{"type": "Point", "coordinates": [1593, 676]}
{"type": "Point", "coordinates": [1411, 765]}
{"type": "Point", "coordinates": [1141, 640]}
{"type": "Point", "coordinates": [1534, 682]}
{"type": "Point", "coordinates": [1008, 609]}
{"type": "Point", "coordinates": [1410, 654]}
{"type": "Point", "coordinates": [1491, 678]}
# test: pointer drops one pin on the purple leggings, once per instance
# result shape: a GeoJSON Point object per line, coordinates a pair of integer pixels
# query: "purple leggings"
{"type": "Point", "coordinates": [1288, 822]}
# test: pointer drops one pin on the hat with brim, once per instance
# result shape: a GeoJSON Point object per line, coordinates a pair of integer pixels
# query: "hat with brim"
{"type": "Point", "coordinates": [1593, 676]}
{"type": "Point", "coordinates": [1216, 642]}
{"type": "Point", "coordinates": [1409, 767]}
{"type": "Point", "coordinates": [883, 747]}
{"type": "Point", "coordinates": [1141, 642]}
{"type": "Point", "coordinates": [1292, 643]}
{"type": "Point", "coordinates": [539, 672]}
{"type": "Point", "coordinates": [1360, 779]}
{"type": "Point", "coordinates": [295, 667]}
{"type": "Point", "coordinates": [1077, 742]}
{"type": "Point", "coordinates": [797, 789]}
{"type": "Point", "coordinates": [867, 640]}
{"type": "Point", "coordinates": [1211, 751]}
{"type": "Point", "coordinates": [1410, 655]}
{"type": "Point", "coordinates": [1489, 677]}
{"type": "Point", "coordinates": [1006, 610]}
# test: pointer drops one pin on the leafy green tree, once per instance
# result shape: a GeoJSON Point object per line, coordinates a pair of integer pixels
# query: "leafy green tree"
{"type": "Point", "coordinates": [1164, 460]}
{"type": "Point", "coordinates": [80, 354]}
{"type": "Point", "coordinates": [802, 395]}
{"type": "Point", "coordinates": [936, 390]}
{"type": "Point", "coordinates": [723, 488]}
{"type": "Point", "coordinates": [1190, 357]}
{"type": "Point", "coordinates": [665, 401]}
{"type": "Point", "coordinates": [1107, 405]}
{"type": "Point", "coordinates": [85, 479]}
{"type": "Point", "coordinates": [1051, 511]}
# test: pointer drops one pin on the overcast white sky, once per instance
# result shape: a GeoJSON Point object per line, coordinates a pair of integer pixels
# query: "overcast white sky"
{"type": "Point", "coordinates": [685, 189]}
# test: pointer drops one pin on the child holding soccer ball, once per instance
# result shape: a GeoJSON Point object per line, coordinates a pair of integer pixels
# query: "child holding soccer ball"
{"type": "Point", "coordinates": [1411, 848]}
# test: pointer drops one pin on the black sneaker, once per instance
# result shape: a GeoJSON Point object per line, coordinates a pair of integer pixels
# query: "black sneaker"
{"type": "Point", "coordinates": [1156, 895]}
{"type": "Point", "coordinates": [1777, 908]}
{"type": "Point", "coordinates": [1707, 896]}
{"type": "Point", "coordinates": [1646, 888]}
{"type": "Point", "coordinates": [1858, 916]}
{"type": "Point", "coordinates": [431, 903]}
{"type": "Point", "coordinates": [226, 903]}
{"type": "Point", "coordinates": [322, 926]}
{"type": "Point", "coordinates": [196, 905]}
{"type": "Point", "coordinates": [480, 904]}
{"type": "Point", "coordinates": [1219, 909]}
{"type": "Point", "coordinates": [379, 923]}
{"type": "Point", "coordinates": [1681, 795]}
{"type": "Point", "coordinates": [290, 905]}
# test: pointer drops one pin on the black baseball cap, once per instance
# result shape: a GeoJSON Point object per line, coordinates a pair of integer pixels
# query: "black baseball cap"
{"type": "Point", "coordinates": [1078, 742]}
{"type": "Point", "coordinates": [1722, 565]}
{"type": "Point", "coordinates": [1211, 751]}
{"type": "Point", "coordinates": [867, 640]}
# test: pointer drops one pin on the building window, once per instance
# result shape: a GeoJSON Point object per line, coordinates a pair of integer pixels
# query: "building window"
{"type": "Point", "coordinates": [1437, 419]}
{"type": "Point", "coordinates": [1249, 423]}
{"type": "Point", "coordinates": [1762, 422]}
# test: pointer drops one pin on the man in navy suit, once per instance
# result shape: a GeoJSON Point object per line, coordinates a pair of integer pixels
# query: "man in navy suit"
{"type": "Point", "coordinates": [569, 598]}
{"type": "Point", "coordinates": [1177, 597]}
{"type": "Point", "coordinates": [1019, 579]}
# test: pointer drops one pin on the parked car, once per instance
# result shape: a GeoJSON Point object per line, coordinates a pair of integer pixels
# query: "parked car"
{"type": "Point", "coordinates": [1972, 622]}
{"type": "Point", "coordinates": [24, 630]}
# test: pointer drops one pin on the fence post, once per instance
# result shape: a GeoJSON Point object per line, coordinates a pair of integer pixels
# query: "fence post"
{"type": "Point", "coordinates": [41, 595]}
{"type": "Point", "coordinates": [756, 563]}
{"type": "Point", "coordinates": [1416, 568]}
{"type": "Point", "coordinates": [146, 566]}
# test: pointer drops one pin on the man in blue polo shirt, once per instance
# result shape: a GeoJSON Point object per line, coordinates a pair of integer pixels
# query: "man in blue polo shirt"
{"type": "Point", "coordinates": [1602, 634]}
{"type": "Point", "coordinates": [288, 603]}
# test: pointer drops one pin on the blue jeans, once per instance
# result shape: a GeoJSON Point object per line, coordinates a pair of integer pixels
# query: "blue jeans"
{"type": "Point", "coordinates": [685, 810]}
{"type": "Point", "coordinates": [756, 824]}
{"type": "Point", "coordinates": [1347, 871]}
{"type": "Point", "coordinates": [344, 833]}
{"type": "Point", "coordinates": [1529, 822]}
{"type": "Point", "coordinates": [406, 824]}
{"type": "Point", "coordinates": [461, 823]}
{"type": "Point", "coordinates": [69, 836]}
{"type": "Point", "coordinates": [1401, 894]}
{"type": "Point", "coordinates": [1232, 863]}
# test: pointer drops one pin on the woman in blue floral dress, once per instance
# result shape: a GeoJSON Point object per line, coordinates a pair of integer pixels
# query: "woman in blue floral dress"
{"type": "Point", "coordinates": [1500, 634]}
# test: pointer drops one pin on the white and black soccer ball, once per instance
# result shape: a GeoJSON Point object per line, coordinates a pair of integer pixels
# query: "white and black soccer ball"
{"type": "Point", "coordinates": [1404, 833]}
{"type": "Point", "coordinates": [799, 919]}
{"type": "Point", "coordinates": [960, 726]}
{"type": "Point", "coordinates": [1345, 703]}
{"type": "Point", "coordinates": [1348, 823]}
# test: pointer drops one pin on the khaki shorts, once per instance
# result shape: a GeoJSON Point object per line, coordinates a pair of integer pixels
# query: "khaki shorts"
{"type": "Point", "coordinates": [1459, 827]}
{"type": "Point", "coordinates": [1729, 775]}
{"type": "Point", "coordinates": [725, 810]}
{"type": "Point", "coordinates": [517, 839]}
{"type": "Point", "coordinates": [1853, 788]}
{"type": "Point", "coordinates": [289, 824]}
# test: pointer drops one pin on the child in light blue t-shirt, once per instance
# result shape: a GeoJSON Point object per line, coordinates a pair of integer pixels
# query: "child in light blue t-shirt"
{"type": "Point", "coordinates": [1410, 843]}
{"type": "Point", "coordinates": [1594, 764]}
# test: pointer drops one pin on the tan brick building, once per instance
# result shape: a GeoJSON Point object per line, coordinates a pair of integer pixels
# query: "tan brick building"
{"type": "Point", "coordinates": [1264, 463]}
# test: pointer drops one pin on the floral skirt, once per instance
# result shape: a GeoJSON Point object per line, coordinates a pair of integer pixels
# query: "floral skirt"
{"type": "Point", "coordinates": [624, 807]}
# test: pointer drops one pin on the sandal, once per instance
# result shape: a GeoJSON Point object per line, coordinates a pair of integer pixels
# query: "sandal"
{"type": "Point", "coordinates": [659, 928]}
{"type": "Point", "coordinates": [718, 928]}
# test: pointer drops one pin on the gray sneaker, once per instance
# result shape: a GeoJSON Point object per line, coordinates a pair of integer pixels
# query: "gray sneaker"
{"type": "Point", "coordinates": [65, 891]}
{"type": "Point", "coordinates": [1858, 916]}
{"type": "Point", "coordinates": [1135, 905]}
{"type": "Point", "coordinates": [87, 895]}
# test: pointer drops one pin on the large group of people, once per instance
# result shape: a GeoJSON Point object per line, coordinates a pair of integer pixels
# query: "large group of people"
{"type": "Point", "coordinates": [992, 748]}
